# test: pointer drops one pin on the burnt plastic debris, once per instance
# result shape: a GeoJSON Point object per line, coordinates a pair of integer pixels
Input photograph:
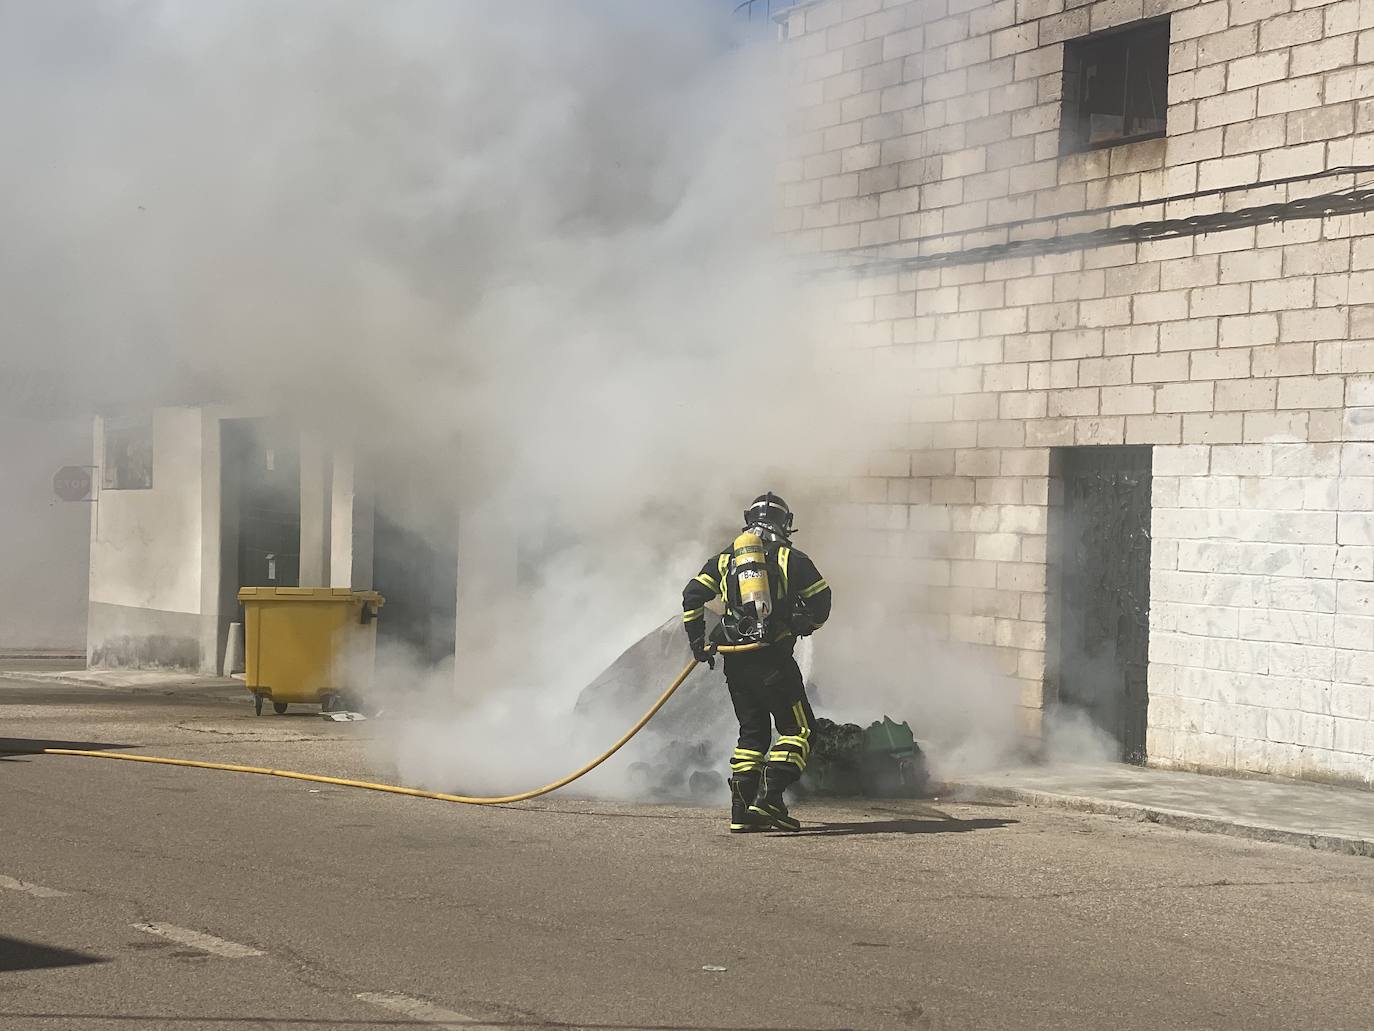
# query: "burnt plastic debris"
{"type": "Point", "coordinates": [682, 753]}
{"type": "Point", "coordinates": [882, 761]}
{"type": "Point", "coordinates": [848, 761]}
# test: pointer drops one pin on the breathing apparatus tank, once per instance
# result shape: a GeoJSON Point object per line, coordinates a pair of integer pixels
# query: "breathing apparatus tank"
{"type": "Point", "coordinates": [748, 612]}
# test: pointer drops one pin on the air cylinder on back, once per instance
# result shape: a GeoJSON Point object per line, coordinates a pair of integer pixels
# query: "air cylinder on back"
{"type": "Point", "coordinates": [750, 567]}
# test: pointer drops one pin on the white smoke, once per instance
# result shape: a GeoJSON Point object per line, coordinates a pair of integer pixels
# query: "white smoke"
{"type": "Point", "coordinates": [525, 247]}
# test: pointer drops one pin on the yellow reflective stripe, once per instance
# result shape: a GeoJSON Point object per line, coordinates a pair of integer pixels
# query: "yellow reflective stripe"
{"type": "Point", "coordinates": [784, 554]}
{"type": "Point", "coordinates": [797, 760]}
{"type": "Point", "coordinates": [799, 711]}
{"type": "Point", "coordinates": [721, 564]}
{"type": "Point", "coordinates": [800, 742]}
{"type": "Point", "coordinates": [706, 581]}
{"type": "Point", "coordinates": [692, 614]}
{"type": "Point", "coordinates": [746, 759]}
{"type": "Point", "coordinates": [814, 589]}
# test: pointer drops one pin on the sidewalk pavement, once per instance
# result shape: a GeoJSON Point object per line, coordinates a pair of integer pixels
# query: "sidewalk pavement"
{"type": "Point", "coordinates": [1330, 818]}
{"type": "Point", "coordinates": [133, 680]}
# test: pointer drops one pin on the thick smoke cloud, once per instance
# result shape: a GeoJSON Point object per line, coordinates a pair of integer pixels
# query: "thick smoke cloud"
{"type": "Point", "coordinates": [523, 247]}
{"type": "Point", "coordinates": [537, 225]}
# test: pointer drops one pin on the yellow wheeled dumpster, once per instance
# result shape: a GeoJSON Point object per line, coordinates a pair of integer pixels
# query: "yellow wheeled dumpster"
{"type": "Point", "coordinates": [308, 644]}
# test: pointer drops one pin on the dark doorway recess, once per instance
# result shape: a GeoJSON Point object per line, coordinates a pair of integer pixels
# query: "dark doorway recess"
{"type": "Point", "coordinates": [415, 563]}
{"type": "Point", "coordinates": [1099, 589]}
{"type": "Point", "coordinates": [260, 511]}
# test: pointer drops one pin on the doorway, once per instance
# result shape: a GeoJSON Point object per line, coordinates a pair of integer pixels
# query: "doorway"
{"type": "Point", "coordinates": [260, 511]}
{"type": "Point", "coordinates": [415, 562]}
{"type": "Point", "coordinates": [1098, 614]}
{"type": "Point", "coordinates": [419, 580]}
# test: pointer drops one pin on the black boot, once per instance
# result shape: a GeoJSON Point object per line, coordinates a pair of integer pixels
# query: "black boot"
{"type": "Point", "coordinates": [768, 804]}
{"type": "Point", "coordinates": [743, 789]}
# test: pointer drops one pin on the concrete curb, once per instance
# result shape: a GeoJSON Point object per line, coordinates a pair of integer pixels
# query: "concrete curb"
{"type": "Point", "coordinates": [46, 678]}
{"type": "Point", "coordinates": [1175, 818]}
{"type": "Point", "coordinates": [165, 687]}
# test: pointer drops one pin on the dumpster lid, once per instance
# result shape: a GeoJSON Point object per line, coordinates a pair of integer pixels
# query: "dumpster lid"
{"type": "Point", "coordinates": [342, 594]}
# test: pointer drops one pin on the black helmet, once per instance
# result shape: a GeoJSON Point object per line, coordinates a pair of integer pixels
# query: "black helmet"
{"type": "Point", "coordinates": [771, 511]}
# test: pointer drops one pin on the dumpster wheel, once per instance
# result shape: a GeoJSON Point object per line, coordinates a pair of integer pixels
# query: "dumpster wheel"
{"type": "Point", "coordinates": [397, 789]}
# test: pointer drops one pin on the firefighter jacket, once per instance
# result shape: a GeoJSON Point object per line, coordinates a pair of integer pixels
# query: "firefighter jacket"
{"type": "Point", "coordinates": [801, 597]}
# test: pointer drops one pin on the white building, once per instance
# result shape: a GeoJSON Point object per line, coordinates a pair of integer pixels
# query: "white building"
{"type": "Point", "coordinates": [1122, 255]}
{"type": "Point", "coordinates": [195, 502]}
{"type": "Point", "coordinates": [43, 541]}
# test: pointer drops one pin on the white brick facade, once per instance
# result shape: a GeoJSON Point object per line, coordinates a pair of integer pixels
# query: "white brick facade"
{"type": "Point", "coordinates": [1262, 608]}
{"type": "Point", "coordinates": [1245, 355]}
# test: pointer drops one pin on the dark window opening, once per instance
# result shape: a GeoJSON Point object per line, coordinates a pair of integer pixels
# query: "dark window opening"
{"type": "Point", "coordinates": [128, 454]}
{"type": "Point", "coordinates": [1116, 87]}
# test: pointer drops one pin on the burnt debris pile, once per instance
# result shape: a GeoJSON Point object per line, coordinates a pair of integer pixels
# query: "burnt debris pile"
{"type": "Point", "coordinates": [681, 754]}
{"type": "Point", "coordinates": [880, 761]}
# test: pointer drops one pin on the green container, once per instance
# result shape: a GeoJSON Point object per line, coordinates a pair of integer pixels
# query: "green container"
{"type": "Point", "coordinates": [888, 736]}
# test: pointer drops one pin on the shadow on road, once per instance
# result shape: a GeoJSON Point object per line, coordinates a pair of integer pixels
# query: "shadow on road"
{"type": "Point", "coordinates": [17, 746]}
{"type": "Point", "coordinates": [947, 825]}
{"type": "Point", "coordinates": [16, 954]}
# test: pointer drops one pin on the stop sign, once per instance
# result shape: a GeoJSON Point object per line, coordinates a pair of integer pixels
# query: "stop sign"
{"type": "Point", "coordinates": [72, 483]}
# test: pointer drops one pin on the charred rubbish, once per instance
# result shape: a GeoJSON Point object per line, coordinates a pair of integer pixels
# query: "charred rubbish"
{"type": "Point", "coordinates": [882, 760]}
{"type": "Point", "coordinates": [679, 754]}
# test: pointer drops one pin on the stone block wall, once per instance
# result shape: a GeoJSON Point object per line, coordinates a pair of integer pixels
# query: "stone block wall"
{"type": "Point", "coordinates": [1262, 607]}
{"type": "Point", "coordinates": [1262, 456]}
{"type": "Point", "coordinates": [1244, 355]}
{"type": "Point", "coordinates": [932, 126]}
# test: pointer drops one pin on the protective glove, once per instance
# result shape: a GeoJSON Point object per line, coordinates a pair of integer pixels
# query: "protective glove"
{"type": "Point", "coordinates": [703, 654]}
{"type": "Point", "coordinates": [801, 624]}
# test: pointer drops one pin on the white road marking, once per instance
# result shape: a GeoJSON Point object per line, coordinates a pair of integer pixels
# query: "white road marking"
{"type": "Point", "coordinates": [418, 1009]}
{"type": "Point", "coordinates": [200, 940]}
{"type": "Point", "coordinates": [36, 890]}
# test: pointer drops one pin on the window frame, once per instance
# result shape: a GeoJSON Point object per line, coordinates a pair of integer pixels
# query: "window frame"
{"type": "Point", "coordinates": [127, 429]}
{"type": "Point", "coordinates": [1072, 131]}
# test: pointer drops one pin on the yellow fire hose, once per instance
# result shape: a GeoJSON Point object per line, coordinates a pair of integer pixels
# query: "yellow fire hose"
{"type": "Point", "coordinates": [395, 789]}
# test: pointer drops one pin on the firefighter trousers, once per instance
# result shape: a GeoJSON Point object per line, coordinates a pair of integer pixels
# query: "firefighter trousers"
{"type": "Point", "coordinates": [767, 691]}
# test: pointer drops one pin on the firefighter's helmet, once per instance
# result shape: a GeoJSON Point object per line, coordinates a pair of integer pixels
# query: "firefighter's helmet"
{"type": "Point", "coordinates": [770, 511]}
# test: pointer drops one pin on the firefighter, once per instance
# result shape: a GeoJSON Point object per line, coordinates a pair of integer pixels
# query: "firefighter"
{"type": "Point", "coordinates": [772, 595]}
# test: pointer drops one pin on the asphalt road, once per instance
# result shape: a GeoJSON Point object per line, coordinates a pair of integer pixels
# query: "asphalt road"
{"type": "Point", "coordinates": [139, 897]}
